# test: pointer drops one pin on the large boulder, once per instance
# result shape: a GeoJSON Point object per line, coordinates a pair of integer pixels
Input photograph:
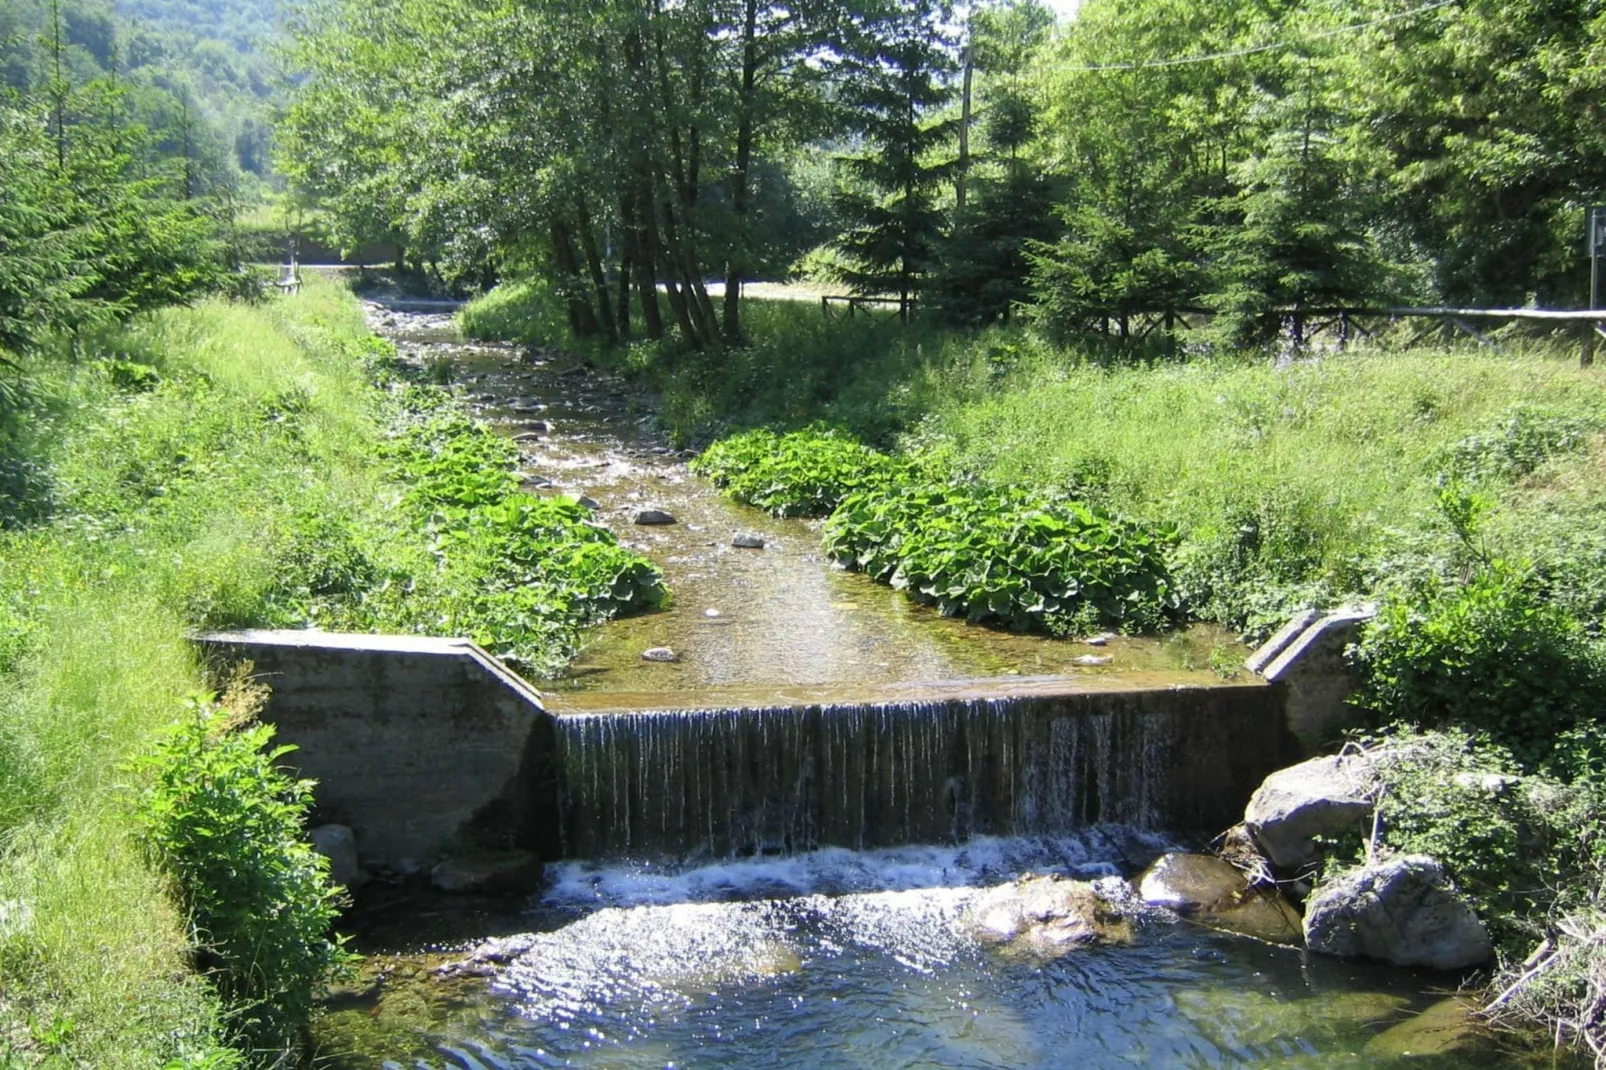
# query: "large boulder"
{"type": "Point", "coordinates": [1044, 917]}
{"type": "Point", "coordinates": [1321, 797]}
{"type": "Point", "coordinates": [1399, 911]}
{"type": "Point", "coordinates": [1213, 892]}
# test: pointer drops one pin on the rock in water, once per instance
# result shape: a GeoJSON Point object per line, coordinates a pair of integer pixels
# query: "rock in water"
{"type": "Point", "coordinates": [652, 517]}
{"type": "Point", "coordinates": [338, 844]}
{"type": "Point", "coordinates": [1091, 659]}
{"type": "Point", "coordinates": [659, 653]}
{"type": "Point", "coordinates": [1321, 797]}
{"type": "Point", "coordinates": [587, 502]}
{"type": "Point", "coordinates": [1213, 892]}
{"type": "Point", "coordinates": [746, 540]}
{"type": "Point", "coordinates": [1044, 917]}
{"type": "Point", "coordinates": [1399, 912]}
{"type": "Point", "coordinates": [1449, 1025]}
{"type": "Point", "coordinates": [507, 872]}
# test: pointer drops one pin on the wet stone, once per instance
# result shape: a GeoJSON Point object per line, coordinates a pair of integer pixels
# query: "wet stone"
{"type": "Point", "coordinates": [1213, 892]}
{"type": "Point", "coordinates": [585, 501]}
{"type": "Point", "coordinates": [659, 653]}
{"type": "Point", "coordinates": [507, 872]}
{"type": "Point", "coordinates": [1091, 660]}
{"type": "Point", "coordinates": [652, 517]}
{"type": "Point", "coordinates": [1044, 917]}
{"type": "Point", "coordinates": [746, 540]}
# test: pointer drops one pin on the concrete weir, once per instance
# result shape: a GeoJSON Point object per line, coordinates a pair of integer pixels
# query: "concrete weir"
{"type": "Point", "coordinates": [424, 747]}
{"type": "Point", "coordinates": [430, 747]}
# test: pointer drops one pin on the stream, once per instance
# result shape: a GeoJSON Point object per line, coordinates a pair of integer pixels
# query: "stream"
{"type": "Point", "coordinates": [829, 958]}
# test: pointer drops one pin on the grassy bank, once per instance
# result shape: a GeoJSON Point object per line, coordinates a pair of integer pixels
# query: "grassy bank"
{"type": "Point", "coordinates": [1314, 482]}
{"type": "Point", "coordinates": [219, 465]}
{"type": "Point", "coordinates": [160, 475]}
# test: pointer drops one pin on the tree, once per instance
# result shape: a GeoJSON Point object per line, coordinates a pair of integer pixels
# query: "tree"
{"type": "Point", "coordinates": [895, 61]}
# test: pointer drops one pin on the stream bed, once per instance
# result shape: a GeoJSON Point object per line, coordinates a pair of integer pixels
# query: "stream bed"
{"type": "Point", "coordinates": [830, 958]}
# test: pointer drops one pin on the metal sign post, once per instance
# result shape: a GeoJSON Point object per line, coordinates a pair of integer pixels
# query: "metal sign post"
{"type": "Point", "coordinates": [1595, 241]}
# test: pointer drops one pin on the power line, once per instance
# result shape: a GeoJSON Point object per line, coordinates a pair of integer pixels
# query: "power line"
{"type": "Point", "coordinates": [1278, 46]}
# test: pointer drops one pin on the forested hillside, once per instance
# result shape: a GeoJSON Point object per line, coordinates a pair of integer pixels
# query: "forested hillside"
{"type": "Point", "coordinates": [194, 71]}
{"type": "Point", "coordinates": [1148, 155]}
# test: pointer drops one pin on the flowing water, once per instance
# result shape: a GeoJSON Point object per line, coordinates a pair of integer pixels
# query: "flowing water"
{"type": "Point", "coordinates": [707, 926]}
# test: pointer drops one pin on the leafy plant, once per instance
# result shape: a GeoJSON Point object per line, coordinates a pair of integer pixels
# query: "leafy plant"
{"type": "Point", "coordinates": [1517, 443]}
{"type": "Point", "coordinates": [1488, 655]}
{"type": "Point", "coordinates": [1006, 557]}
{"type": "Point", "coordinates": [803, 473]}
{"type": "Point", "coordinates": [226, 822]}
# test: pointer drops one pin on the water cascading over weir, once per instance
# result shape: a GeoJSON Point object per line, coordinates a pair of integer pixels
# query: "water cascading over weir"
{"type": "Point", "coordinates": [933, 769]}
{"type": "Point", "coordinates": [428, 748]}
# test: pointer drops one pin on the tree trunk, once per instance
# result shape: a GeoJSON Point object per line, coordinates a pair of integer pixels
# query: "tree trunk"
{"type": "Point", "coordinates": [582, 318]}
{"type": "Point", "coordinates": [736, 267]}
{"type": "Point", "coordinates": [599, 278]}
{"type": "Point", "coordinates": [643, 258]}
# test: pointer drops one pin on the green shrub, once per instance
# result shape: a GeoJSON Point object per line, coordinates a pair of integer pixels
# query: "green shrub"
{"type": "Point", "coordinates": [226, 823]}
{"type": "Point", "coordinates": [1518, 442]}
{"type": "Point", "coordinates": [1520, 847]}
{"type": "Point", "coordinates": [1489, 655]}
{"type": "Point", "coordinates": [449, 461]}
{"type": "Point", "coordinates": [1007, 557]}
{"type": "Point", "coordinates": [803, 473]}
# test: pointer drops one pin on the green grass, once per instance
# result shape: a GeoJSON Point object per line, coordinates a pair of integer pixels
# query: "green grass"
{"type": "Point", "coordinates": [221, 465]}
{"type": "Point", "coordinates": [166, 503]}
{"type": "Point", "coordinates": [163, 501]}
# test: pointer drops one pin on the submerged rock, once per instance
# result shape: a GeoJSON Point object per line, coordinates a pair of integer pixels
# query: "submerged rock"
{"type": "Point", "coordinates": [659, 653]}
{"type": "Point", "coordinates": [1321, 797]}
{"type": "Point", "coordinates": [1044, 917]}
{"type": "Point", "coordinates": [746, 540]}
{"type": "Point", "coordinates": [1450, 1025]}
{"type": "Point", "coordinates": [1092, 659]}
{"type": "Point", "coordinates": [338, 844]}
{"type": "Point", "coordinates": [652, 517]}
{"type": "Point", "coordinates": [508, 872]}
{"type": "Point", "coordinates": [1213, 892]}
{"type": "Point", "coordinates": [585, 501]}
{"type": "Point", "coordinates": [1400, 912]}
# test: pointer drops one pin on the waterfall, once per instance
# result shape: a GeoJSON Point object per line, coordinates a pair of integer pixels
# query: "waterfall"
{"type": "Point", "coordinates": [741, 781]}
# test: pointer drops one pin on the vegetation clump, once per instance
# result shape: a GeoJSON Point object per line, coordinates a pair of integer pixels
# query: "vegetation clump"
{"type": "Point", "coordinates": [800, 473]}
{"type": "Point", "coordinates": [1006, 557]}
{"type": "Point", "coordinates": [228, 824]}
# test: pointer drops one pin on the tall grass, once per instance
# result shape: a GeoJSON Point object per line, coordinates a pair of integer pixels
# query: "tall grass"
{"type": "Point", "coordinates": [164, 505]}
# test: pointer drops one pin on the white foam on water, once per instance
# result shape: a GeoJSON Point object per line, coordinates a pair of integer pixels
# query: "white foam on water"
{"type": "Point", "coordinates": [1094, 852]}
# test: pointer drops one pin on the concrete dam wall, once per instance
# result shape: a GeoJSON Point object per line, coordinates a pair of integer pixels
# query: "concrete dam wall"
{"type": "Point", "coordinates": [429, 748]}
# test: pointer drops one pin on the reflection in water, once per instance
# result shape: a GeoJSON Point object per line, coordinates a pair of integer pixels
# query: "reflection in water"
{"type": "Point", "coordinates": [785, 616]}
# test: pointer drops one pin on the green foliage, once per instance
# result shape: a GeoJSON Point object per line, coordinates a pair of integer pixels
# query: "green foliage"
{"type": "Point", "coordinates": [1518, 442]}
{"type": "Point", "coordinates": [1488, 655]}
{"type": "Point", "coordinates": [449, 461]}
{"type": "Point", "coordinates": [802, 473]}
{"type": "Point", "coordinates": [1006, 557]}
{"type": "Point", "coordinates": [463, 552]}
{"type": "Point", "coordinates": [227, 823]}
{"type": "Point", "coordinates": [1522, 848]}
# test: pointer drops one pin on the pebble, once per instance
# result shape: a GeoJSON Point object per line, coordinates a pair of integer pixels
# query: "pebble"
{"type": "Point", "coordinates": [746, 540]}
{"type": "Point", "coordinates": [712, 613]}
{"type": "Point", "coordinates": [1098, 640]}
{"type": "Point", "coordinates": [659, 653]}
